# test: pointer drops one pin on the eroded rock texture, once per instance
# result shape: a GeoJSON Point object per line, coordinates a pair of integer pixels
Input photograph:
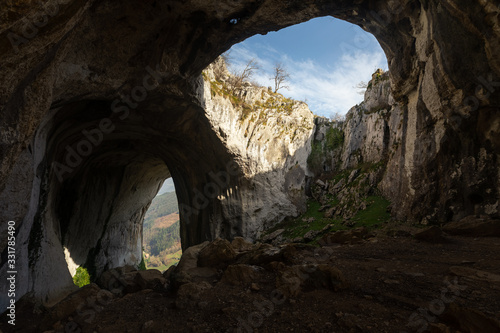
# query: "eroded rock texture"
{"type": "Point", "coordinates": [130, 71]}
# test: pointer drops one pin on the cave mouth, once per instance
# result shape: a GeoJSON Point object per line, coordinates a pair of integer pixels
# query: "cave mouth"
{"type": "Point", "coordinates": [103, 170]}
{"type": "Point", "coordinates": [161, 241]}
{"type": "Point", "coordinates": [116, 239]}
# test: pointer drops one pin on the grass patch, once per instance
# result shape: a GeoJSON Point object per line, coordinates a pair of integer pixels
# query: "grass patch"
{"type": "Point", "coordinates": [82, 277]}
{"type": "Point", "coordinates": [297, 227]}
{"type": "Point", "coordinates": [375, 213]}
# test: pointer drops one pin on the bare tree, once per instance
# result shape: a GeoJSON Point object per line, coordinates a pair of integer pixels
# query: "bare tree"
{"type": "Point", "coordinates": [246, 74]}
{"type": "Point", "coordinates": [337, 117]}
{"type": "Point", "coordinates": [281, 76]}
{"type": "Point", "coordinates": [362, 86]}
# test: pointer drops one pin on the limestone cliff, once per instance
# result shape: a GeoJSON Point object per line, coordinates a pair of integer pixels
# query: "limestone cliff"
{"type": "Point", "coordinates": [350, 156]}
{"type": "Point", "coordinates": [270, 138]}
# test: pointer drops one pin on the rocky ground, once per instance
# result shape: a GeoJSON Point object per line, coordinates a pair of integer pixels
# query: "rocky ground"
{"type": "Point", "coordinates": [391, 280]}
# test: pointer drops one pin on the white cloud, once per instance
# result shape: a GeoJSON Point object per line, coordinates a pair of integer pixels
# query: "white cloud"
{"type": "Point", "coordinates": [328, 88]}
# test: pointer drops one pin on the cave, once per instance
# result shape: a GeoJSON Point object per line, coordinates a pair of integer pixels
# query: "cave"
{"type": "Point", "coordinates": [104, 102]}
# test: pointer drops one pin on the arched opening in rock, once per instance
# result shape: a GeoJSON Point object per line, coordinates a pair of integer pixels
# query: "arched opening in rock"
{"type": "Point", "coordinates": [161, 229]}
{"type": "Point", "coordinates": [101, 173]}
{"type": "Point", "coordinates": [101, 162]}
{"type": "Point", "coordinates": [314, 148]}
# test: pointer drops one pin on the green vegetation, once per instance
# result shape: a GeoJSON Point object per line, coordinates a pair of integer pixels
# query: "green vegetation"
{"type": "Point", "coordinates": [378, 76]}
{"type": "Point", "coordinates": [299, 226]}
{"type": "Point", "coordinates": [322, 152]}
{"type": "Point", "coordinates": [374, 216]}
{"type": "Point", "coordinates": [82, 277]}
{"type": "Point", "coordinates": [354, 195]}
{"type": "Point", "coordinates": [375, 213]}
{"type": "Point", "coordinates": [167, 261]}
{"type": "Point", "coordinates": [221, 89]}
{"type": "Point", "coordinates": [161, 234]}
{"type": "Point", "coordinates": [276, 102]}
{"type": "Point", "coordinates": [142, 265]}
{"type": "Point", "coordinates": [279, 103]}
{"type": "Point", "coordinates": [164, 238]}
{"type": "Point", "coordinates": [315, 159]}
{"type": "Point", "coordinates": [334, 138]}
{"type": "Point", "coordinates": [162, 205]}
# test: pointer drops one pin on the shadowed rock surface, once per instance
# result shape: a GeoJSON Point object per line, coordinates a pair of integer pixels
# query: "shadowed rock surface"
{"type": "Point", "coordinates": [377, 284]}
{"type": "Point", "coordinates": [100, 101]}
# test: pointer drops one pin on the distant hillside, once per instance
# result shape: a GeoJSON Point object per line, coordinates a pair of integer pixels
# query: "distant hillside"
{"type": "Point", "coordinates": [161, 239]}
{"type": "Point", "coordinates": [168, 186]}
{"type": "Point", "coordinates": [162, 205]}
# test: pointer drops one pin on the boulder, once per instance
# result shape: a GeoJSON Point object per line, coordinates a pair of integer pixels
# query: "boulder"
{"type": "Point", "coordinates": [89, 296]}
{"type": "Point", "coordinates": [295, 279]}
{"type": "Point", "coordinates": [240, 244]}
{"type": "Point", "coordinates": [188, 271]}
{"type": "Point", "coordinates": [217, 254]}
{"type": "Point", "coordinates": [311, 235]}
{"type": "Point", "coordinates": [475, 274]}
{"type": "Point", "coordinates": [127, 279]}
{"type": "Point", "coordinates": [354, 174]}
{"type": "Point", "coordinates": [241, 274]}
{"type": "Point", "coordinates": [150, 279]}
{"type": "Point", "coordinates": [266, 254]}
{"type": "Point", "coordinates": [474, 227]}
{"type": "Point", "coordinates": [432, 235]}
{"type": "Point", "coordinates": [189, 294]}
{"type": "Point", "coordinates": [189, 258]}
{"type": "Point", "coordinates": [345, 236]}
{"type": "Point", "coordinates": [119, 280]}
{"type": "Point", "coordinates": [272, 236]}
{"type": "Point", "coordinates": [469, 320]}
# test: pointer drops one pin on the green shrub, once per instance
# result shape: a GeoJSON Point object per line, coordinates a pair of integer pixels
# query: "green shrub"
{"type": "Point", "coordinates": [314, 160]}
{"type": "Point", "coordinates": [142, 265]}
{"type": "Point", "coordinates": [82, 277]}
{"type": "Point", "coordinates": [334, 138]}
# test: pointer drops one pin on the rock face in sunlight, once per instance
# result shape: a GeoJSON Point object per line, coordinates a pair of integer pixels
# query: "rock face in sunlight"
{"type": "Point", "coordinates": [372, 129]}
{"type": "Point", "coordinates": [101, 100]}
{"type": "Point", "coordinates": [270, 138]}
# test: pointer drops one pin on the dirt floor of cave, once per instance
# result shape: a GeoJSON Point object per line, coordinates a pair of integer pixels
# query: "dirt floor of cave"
{"type": "Point", "coordinates": [390, 279]}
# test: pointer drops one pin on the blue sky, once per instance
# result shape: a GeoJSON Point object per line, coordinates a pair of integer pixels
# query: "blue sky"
{"type": "Point", "coordinates": [325, 57]}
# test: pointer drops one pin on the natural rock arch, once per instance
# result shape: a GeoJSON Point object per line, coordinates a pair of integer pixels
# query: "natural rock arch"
{"type": "Point", "coordinates": [69, 69]}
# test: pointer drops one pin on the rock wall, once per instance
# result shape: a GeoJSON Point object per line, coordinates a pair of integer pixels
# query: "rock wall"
{"type": "Point", "coordinates": [270, 138]}
{"type": "Point", "coordinates": [366, 129]}
{"type": "Point", "coordinates": [132, 70]}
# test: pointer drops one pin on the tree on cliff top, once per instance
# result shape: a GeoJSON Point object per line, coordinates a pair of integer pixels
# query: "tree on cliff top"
{"type": "Point", "coordinates": [281, 76]}
{"type": "Point", "coordinates": [246, 74]}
